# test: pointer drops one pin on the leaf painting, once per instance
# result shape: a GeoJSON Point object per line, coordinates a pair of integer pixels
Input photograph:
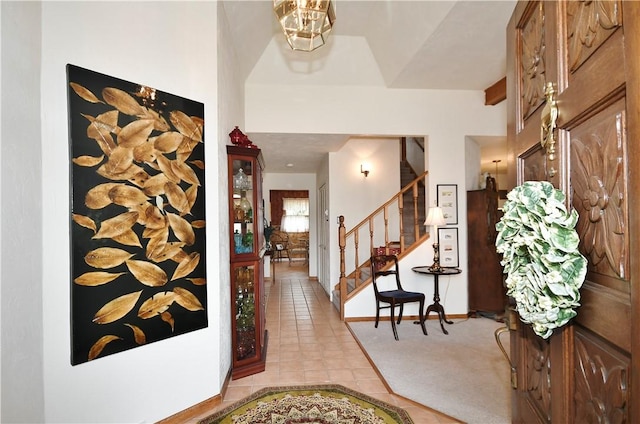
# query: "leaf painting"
{"type": "Point", "coordinates": [137, 211]}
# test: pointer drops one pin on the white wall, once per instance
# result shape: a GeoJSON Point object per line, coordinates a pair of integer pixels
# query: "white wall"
{"type": "Point", "coordinates": [472, 164]}
{"type": "Point", "coordinates": [274, 181]}
{"type": "Point", "coordinates": [170, 46]}
{"type": "Point", "coordinates": [229, 114]}
{"type": "Point", "coordinates": [22, 216]}
{"type": "Point", "coordinates": [444, 117]}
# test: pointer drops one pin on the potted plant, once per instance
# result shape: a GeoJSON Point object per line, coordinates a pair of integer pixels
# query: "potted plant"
{"type": "Point", "coordinates": [539, 248]}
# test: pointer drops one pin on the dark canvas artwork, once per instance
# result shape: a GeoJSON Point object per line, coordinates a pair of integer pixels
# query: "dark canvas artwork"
{"type": "Point", "coordinates": [137, 215]}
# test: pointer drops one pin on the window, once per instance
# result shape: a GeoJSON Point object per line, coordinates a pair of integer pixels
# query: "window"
{"type": "Point", "coordinates": [296, 215]}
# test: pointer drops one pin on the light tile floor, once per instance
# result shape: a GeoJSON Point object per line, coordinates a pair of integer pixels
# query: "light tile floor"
{"type": "Point", "coordinates": [307, 344]}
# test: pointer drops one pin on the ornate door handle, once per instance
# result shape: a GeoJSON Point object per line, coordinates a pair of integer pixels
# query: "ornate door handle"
{"type": "Point", "coordinates": [548, 119]}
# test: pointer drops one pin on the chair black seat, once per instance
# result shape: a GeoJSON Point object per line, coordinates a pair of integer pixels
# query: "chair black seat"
{"type": "Point", "coordinates": [406, 296]}
{"type": "Point", "coordinates": [393, 298]}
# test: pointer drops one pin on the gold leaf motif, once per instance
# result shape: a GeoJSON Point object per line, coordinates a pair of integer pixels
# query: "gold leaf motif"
{"type": "Point", "coordinates": [185, 172]}
{"type": "Point", "coordinates": [135, 133]}
{"type": "Point", "coordinates": [185, 125]}
{"type": "Point", "coordinates": [128, 174]}
{"type": "Point", "coordinates": [179, 256]}
{"type": "Point", "coordinates": [192, 196]}
{"type": "Point", "coordinates": [168, 142]}
{"type": "Point", "coordinates": [198, 281]}
{"type": "Point", "coordinates": [170, 251]}
{"type": "Point", "coordinates": [120, 160]}
{"type": "Point", "coordinates": [186, 266]}
{"type": "Point", "coordinates": [100, 129]}
{"type": "Point", "coordinates": [154, 186]}
{"type": "Point", "coordinates": [85, 93]}
{"type": "Point", "coordinates": [138, 334]}
{"type": "Point", "coordinates": [181, 228]}
{"type": "Point", "coordinates": [198, 223]}
{"type": "Point", "coordinates": [156, 304]}
{"type": "Point", "coordinates": [147, 273]}
{"type": "Point", "coordinates": [84, 221]}
{"type": "Point", "coordinates": [106, 257]}
{"type": "Point", "coordinates": [98, 346]}
{"type": "Point", "coordinates": [87, 161]}
{"type": "Point", "coordinates": [177, 198]}
{"type": "Point", "coordinates": [168, 318]}
{"type": "Point", "coordinates": [127, 196]}
{"type": "Point", "coordinates": [140, 178]}
{"type": "Point", "coordinates": [117, 308]}
{"type": "Point", "coordinates": [128, 238]}
{"type": "Point", "coordinates": [159, 123]}
{"type": "Point", "coordinates": [185, 149]}
{"type": "Point", "coordinates": [145, 152]}
{"type": "Point", "coordinates": [117, 225]}
{"type": "Point", "coordinates": [165, 167]}
{"type": "Point", "coordinates": [122, 101]}
{"type": "Point", "coordinates": [156, 245]}
{"type": "Point", "coordinates": [187, 300]}
{"type": "Point", "coordinates": [98, 196]}
{"type": "Point", "coordinates": [150, 216]}
{"type": "Point", "coordinates": [96, 278]}
{"type": "Point", "coordinates": [197, 163]}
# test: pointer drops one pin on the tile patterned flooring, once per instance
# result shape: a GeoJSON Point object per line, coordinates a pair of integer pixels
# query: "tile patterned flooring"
{"type": "Point", "coordinates": [308, 344]}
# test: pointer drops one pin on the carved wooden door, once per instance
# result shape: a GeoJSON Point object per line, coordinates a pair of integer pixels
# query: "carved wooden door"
{"type": "Point", "coordinates": [589, 370]}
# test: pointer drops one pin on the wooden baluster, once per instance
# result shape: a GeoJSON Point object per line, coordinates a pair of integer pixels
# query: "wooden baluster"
{"type": "Point", "coordinates": [401, 223]}
{"type": "Point", "coordinates": [416, 224]}
{"type": "Point", "coordinates": [386, 229]}
{"type": "Point", "coordinates": [356, 242]}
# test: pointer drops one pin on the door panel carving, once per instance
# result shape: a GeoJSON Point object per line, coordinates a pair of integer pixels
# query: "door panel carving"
{"type": "Point", "coordinates": [589, 23]}
{"type": "Point", "coordinates": [601, 382]}
{"type": "Point", "coordinates": [532, 46]}
{"type": "Point", "coordinates": [584, 372]}
{"type": "Point", "coordinates": [599, 181]}
{"type": "Point", "coordinates": [538, 384]}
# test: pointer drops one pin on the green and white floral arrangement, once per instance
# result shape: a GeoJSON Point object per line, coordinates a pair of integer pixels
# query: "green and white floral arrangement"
{"type": "Point", "coordinates": [539, 248]}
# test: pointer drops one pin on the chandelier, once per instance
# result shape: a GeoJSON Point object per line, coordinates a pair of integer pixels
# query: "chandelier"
{"type": "Point", "coordinates": [306, 23]}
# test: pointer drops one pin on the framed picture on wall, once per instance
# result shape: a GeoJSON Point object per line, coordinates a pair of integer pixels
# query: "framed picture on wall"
{"type": "Point", "coordinates": [448, 241]}
{"type": "Point", "coordinates": [448, 202]}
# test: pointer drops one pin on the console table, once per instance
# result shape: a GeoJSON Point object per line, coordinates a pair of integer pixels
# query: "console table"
{"type": "Point", "coordinates": [436, 306]}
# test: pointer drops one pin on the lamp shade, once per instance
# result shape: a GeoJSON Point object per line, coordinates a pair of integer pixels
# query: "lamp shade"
{"type": "Point", "coordinates": [435, 217]}
{"type": "Point", "coordinates": [306, 23]}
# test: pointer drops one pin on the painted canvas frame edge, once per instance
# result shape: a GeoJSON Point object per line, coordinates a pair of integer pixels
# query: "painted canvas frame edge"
{"type": "Point", "coordinates": [137, 215]}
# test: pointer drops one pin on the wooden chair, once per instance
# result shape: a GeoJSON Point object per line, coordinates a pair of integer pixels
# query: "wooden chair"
{"type": "Point", "coordinates": [396, 297]}
{"type": "Point", "coordinates": [280, 245]}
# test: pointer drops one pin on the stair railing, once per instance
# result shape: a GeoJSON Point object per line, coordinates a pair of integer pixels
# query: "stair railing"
{"type": "Point", "coordinates": [384, 231]}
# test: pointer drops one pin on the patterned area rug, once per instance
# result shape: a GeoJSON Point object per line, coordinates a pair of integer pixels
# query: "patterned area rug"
{"type": "Point", "coordinates": [321, 404]}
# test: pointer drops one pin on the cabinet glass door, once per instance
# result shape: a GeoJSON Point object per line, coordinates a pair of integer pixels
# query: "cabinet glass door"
{"type": "Point", "coordinates": [245, 312]}
{"type": "Point", "coordinates": [243, 207]}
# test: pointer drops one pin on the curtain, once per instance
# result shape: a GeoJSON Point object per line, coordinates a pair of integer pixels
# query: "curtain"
{"type": "Point", "coordinates": [296, 215]}
{"type": "Point", "coordinates": [275, 200]}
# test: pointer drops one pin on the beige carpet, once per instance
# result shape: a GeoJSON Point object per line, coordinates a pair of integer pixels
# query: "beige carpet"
{"type": "Point", "coordinates": [463, 374]}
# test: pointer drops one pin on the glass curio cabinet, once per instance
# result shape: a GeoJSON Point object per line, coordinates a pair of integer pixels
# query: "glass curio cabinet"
{"type": "Point", "coordinates": [249, 336]}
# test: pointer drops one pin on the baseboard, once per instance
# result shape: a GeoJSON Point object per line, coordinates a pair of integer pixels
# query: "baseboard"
{"type": "Point", "coordinates": [199, 409]}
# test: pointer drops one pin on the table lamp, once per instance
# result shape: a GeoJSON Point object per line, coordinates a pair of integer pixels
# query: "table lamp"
{"type": "Point", "coordinates": [435, 218]}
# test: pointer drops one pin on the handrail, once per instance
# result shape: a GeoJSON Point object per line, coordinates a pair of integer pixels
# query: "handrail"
{"type": "Point", "coordinates": [401, 247]}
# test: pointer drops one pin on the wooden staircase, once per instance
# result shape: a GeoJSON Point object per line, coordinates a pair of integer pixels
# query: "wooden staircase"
{"type": "Point", "coordinates": [396, 227]}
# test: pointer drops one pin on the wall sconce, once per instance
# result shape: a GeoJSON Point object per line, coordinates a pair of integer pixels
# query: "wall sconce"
{"type": "Point", "coordinates": [365, 169]}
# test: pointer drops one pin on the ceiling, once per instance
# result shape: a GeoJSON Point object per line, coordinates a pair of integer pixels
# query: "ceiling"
{"type": "Point", "coordinates": [419, 44]}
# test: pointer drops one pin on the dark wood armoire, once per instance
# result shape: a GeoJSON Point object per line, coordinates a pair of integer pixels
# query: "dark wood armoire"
{"type": "Point", "coordinates": [486, 288]}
